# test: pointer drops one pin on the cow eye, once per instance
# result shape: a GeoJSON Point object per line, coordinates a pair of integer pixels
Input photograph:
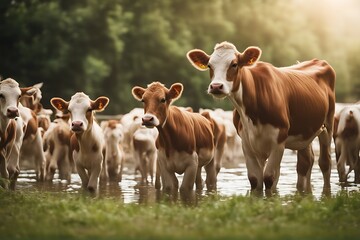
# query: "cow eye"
{"type": "Point", "coordinates": [2, 96]}
{"type": "Point", "coordinates": [209, 66]}
{"type": "Point", "coordinates": [234, 65]}
{"type": "Point", "coordinates": [163, 100]}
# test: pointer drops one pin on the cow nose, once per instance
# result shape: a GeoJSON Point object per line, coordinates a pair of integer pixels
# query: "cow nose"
{"type": "Point", "coordinates": [147, 119]}
{"type": "Point", "coordinates": [76, 126]}
{"type": "Point", "coordinates": [216, 86]}
{"type": "Point", "coordinates": [12, 112]}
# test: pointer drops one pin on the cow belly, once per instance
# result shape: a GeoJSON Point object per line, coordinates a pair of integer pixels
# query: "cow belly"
{"type": "Point", "coordinates": [298, 142]}
{"type": "Point", "coordinates": [259, 139]}
{"type": "Point", "coordinates": [87, 160]}
{"type": "Point", "coordinates": [205, 156]}
{"type": "Point", "coordinates": [177, 161]}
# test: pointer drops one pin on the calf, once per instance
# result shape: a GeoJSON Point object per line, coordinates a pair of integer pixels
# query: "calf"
{"type": "Point", "coordinates": [114, 154]}
{"type": "Point", "coordinates": [347, 141]}
{"type": "Point", "coordinates": [87, 142]}
{"type": "Point", "coordinates": [145, 152]}
{"type": "Point", "coordinates": [12, 128]}
{"type": "Point", "coordinates": [185, 142]}
{"type": "Point", "coordinates": [276, 108]}
{"type": "Point", "coordinates": [57, 149]}
{"type": "Point", "coordinates": [219, 137]}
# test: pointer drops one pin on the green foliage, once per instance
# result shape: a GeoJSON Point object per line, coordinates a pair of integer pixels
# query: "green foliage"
{"type": "Point", "coordinates": [44, 215]}
{"type": "Point", "coordinates": [107, 47]}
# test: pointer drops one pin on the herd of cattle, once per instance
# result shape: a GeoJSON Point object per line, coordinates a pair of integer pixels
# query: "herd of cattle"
{"type": "Point", "coordinates": [274, 108]}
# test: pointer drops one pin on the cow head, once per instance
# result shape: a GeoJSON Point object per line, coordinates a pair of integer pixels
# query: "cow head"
{"type": "Point", "coordinates": [10, 93]}
{"type": "Point", "coordinates": [157, 99]}
{"type": "Point", "coordinates": [81, 109]}
{"type": "Point", "coordinates": [225, 64]}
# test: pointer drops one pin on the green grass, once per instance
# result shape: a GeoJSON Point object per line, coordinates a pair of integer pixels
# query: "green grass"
{"type": "Point", "coordinates": [44, 215]}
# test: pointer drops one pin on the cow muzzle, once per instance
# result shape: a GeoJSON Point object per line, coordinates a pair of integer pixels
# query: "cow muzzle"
{"type": "Point", "coordinates": [12, 112]}
{"type": "Point", "coordinates": [150, 121]}
{"type": "Point", "coordinates": [217, 90]}
{"type": "Point", "coordinates": [77, 126]}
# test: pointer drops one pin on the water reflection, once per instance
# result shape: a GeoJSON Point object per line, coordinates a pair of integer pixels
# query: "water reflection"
{"type": "Point", "coordinates": [232, 180]}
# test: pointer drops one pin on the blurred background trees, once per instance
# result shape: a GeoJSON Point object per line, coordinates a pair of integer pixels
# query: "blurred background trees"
{"type": "Point", "coordinates": [107, 47]}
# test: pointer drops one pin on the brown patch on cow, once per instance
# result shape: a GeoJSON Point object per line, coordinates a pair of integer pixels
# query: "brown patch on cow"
{"type": "Point", "coordinates": [64, 136]}
{"type": "Point", "coordinates": [95, 147]}
{"type": "Point", "coordinates": [9, 134]}
{"type": "Point", "coordinates": [74, 143]}
{"type": "Point", "coordinates": [112, 124]}
{"type": "Point", "coordinates": [236, 121]}
{"type": "Point", "coordinates": [351, 128]}
{"type": "Point", "coordinates": [51, 146]}
{"type": "Point", "coordinates": [32, 126]}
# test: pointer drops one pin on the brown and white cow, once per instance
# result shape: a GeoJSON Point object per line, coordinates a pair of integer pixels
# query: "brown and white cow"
{"type": "Point", "coordinates": [114, 153]}
{"type": "Point", "coordinates": [185, 142]}
{"type": "Point", "coordinates": [56, 142]}
{"type": "Point", "coordinates": [219, 137]}
{"type": "Point", "coordinates": [12, 128]}
{"type": "Point", "coordinates": [347, 141]}
{"type": "Point", "coordinates": [87, 144]}
{"type": "Point", "coordinates": [276, 108]}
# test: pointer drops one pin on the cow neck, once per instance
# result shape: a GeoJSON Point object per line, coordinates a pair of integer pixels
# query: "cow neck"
{"type": "Point", "coordinates": [4, 122]}
{"type": "Point", "coordinates": [173, 135]}
{"type": "Point", "coordinates": [243, 95]}
{"type": "Point", "coordinates": [8, 134]}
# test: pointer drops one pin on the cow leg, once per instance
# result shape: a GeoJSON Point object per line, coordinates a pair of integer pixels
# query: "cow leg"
{"type": "Point", "coordinates": [157, 177]}
{"type": "Point", "coordinates": [254, 169]}
{"type": "Point", "coordinates": [325, 158]}
{"type": "Point", "coordinates": [3, 172]}
{"type": "Point", "coordinates": [94, 176]}
{"type": "Point", "coordinates": [39, 156]}
{"type": "Point", "coordinates": [272, 168]}
{"type": "Point", "coordinates": [152, 159]}
{"type": "Point", "coordinates": [357, 169]}
{"type": "Point", "coordinates": [211, 175]}
{"type": "Point", "coordinates": [305, 161]}
{"type": "Point", "coordinates": [341, 161]}
{"type": "Point", "coordinates": [83, 175]}
{"type": "Point", "coordinates": [198, 180]}
{"type": "Point", "coordinates": [187, 184]}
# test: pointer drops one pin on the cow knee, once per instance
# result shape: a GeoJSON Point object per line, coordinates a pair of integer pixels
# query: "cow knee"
{"type": "Point", "coordinates": [253, 182]}
{"type": "Point", "coordinates": [268, 181]}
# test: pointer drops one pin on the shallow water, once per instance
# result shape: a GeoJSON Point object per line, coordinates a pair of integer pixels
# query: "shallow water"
{"type": "Point", "coordinates": [232, 180]}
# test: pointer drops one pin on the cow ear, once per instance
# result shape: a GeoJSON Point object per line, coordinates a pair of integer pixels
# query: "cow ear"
{"type": "Point", "coordinates": [138, 92]}
{"type": "Point", "coordinates": [99, 104]}
{"type": "Point", "coordinates": [38, 85]}
{"type": "Point", "coordinates": [28, 91]}
{"type": "Point", "coordinates": [59, 104]}
{"type": "Point", "coordinates": [175, 91]}
{"type": "Point", "coordinates": [199, 59]}
{"type": "Point", "coordinates": [250, 56]}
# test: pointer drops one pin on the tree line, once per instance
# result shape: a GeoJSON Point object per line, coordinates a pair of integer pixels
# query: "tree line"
{"type": "Point", "coordinates": [107, 47]}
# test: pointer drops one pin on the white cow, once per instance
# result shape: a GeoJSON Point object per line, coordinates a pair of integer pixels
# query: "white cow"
{"type": "Point", "coordinates": [87, 144]}
{"type": "Point", "coordinates": [57, 150]}
{"type": "Point", "coordinates": [12, 129]}
{"type": "Point", "coordinates": [347, 141]}
{"type": "Point", "coordinates": [145, 152]}
{"type": "Point", "coordinates": [114, 153]}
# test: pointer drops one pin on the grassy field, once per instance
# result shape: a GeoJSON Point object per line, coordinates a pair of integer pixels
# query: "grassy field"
{"type": "Point", "coordinates": [44, 215]}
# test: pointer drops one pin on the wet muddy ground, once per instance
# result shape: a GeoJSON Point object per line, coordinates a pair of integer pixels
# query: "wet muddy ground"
{"type": "Point", "coordinates": [232, 180]}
